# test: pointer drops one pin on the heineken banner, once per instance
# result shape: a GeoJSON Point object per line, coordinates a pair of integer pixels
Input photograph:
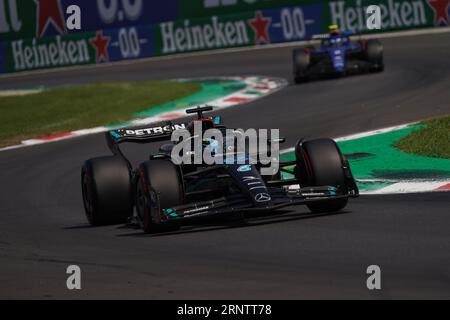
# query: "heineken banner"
{"type": "Point", "coordinates": [21, 19]}
{"type": "Point", "coordinates": [264, 24]}
{"type": "Point", "coordinates": [33, 33]}
{"type": "Point", "coordinates": [77, 49]}
{"type": "Point", "coordinates": [249, 28]}
{"type": "Point", "coordinates": [350, 15]}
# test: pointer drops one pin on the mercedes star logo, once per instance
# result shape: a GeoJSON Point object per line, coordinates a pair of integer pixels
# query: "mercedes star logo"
{"type": "Point", "coordinates": [263, 197]}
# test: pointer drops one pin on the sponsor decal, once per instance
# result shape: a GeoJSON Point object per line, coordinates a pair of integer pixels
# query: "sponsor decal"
{"type": "Point", "coordinates": [35, 54]}
{"type": "Point", "coordinates": [261, 25]}
{"type": "Point", "coordinates": [75, 49]}
{"type": "Point", "coordinates": [242, 29]}
{"type": "Point", "coordinates": [262, 197]}
{"type": "Point", "coordinates": [49, 12]}
{"type": "Point", "coordinates": [333, 191]}
{"type": "Point", "coordinates": [171, 212]}
{"type": "Point", "coordinates": [395, 14]}
{"type": "Point", "coordinates": [14, 23]}
{"type": "Point", "coordinates": [254, 183]}
{"type": "Point", "coordinates": [107, 14]}
{"type": "Point", "coordinates": [209, 35]}
{"type": "Point", "coordinates": [245, 168]}
{"type": "Point", "coordinates": [101, 44]}
{"type": "Point", "coordinates": [123, 43]}
{"type": "Point", "coordinates": [441, 10]}
{"type": "Point", "coordinates": [26, 19]}
{"type": "Point", "coordinates": [311, 194]}
{"type": "Point", "coordinates": [196, 210]}
{"type": "Point", "coordinates": [150, 131]}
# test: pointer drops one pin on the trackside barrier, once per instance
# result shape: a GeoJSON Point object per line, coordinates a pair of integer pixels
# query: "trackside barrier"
{"type": "Point", "coordinates": [33, 34]}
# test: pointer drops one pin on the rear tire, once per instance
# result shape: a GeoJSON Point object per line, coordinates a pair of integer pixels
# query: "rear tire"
{"type": "Point", "coordinates": [375, 55]}
{"type": "Point", "coordinates": [159, 187]}
{"type": "Point", "coordinates": [301, 61]}
{"type": "Point", "coordinates": [106, 189]}
{"type": "Point", "coordinates": [320, 163]}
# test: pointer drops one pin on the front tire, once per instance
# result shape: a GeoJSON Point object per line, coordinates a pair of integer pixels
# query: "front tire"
{"type": "Point", "coordinates": [159, 187]}
{"type": "Point", "coordinates": [321, 163]}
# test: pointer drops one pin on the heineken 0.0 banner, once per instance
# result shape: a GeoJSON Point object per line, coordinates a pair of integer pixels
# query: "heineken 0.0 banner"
{"type": "Point", "coordinates": [350, 15]}
{"type": "Point", "coordinates": [248, 28]}
{"type": "Point", "coordinates": [22, 19]}
{"type": "Point", "coordinates": [397, 14]}
{"type": "Point", "coordinates": [76, 49]}
{"type": "Point", "coordinates": [258, 22]}
{"type": "Point", "coordinates": [34, 34]}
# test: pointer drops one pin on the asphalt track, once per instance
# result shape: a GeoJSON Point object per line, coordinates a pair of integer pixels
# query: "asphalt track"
{"type": "Point", "coordinates": [292, 256]}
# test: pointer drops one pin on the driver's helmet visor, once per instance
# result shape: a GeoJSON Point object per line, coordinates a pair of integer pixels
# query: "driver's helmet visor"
{"type": "Point", "coordinates": [334, 29]}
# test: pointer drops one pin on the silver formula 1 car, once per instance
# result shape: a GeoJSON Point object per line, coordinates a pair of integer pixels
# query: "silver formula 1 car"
{"type": "Point", "coordinates": [161, 196]}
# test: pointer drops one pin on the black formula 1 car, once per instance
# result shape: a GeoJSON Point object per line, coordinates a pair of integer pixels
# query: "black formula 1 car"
{"type": "Point", "coordinates": [166, 195]}
{"type": "Point", "coordinates": [337, 55]}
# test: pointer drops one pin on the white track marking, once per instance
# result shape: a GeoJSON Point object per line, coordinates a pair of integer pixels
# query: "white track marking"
{"type": "Point", "coordinates": [411, 187]}
{"type": "Point", "coordinates": [362, 135]}
{"type": "Point", "coordinates": [18, 93]}
{"type": "Point", "coordinates": [262, 85]}
{"type": "Point", "coordinates": [398, 186]}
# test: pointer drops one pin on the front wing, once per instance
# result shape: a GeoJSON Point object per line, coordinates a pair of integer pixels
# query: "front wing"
{"type": "Point", "coordinates": [241, 204]}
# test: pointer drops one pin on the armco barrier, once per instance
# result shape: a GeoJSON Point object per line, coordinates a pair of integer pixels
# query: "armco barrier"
{"type": "Point", "coordinates": [115, 30]}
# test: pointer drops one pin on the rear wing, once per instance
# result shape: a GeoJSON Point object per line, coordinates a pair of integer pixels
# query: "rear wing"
{"type": "Point", "coordinates": [161, 132]}
{"type": "Point", "coordinates": [320, 36]}
{"type": "Point", "coordinates": [327, 35]}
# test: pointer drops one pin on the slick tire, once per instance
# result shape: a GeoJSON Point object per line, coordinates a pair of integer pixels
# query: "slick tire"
{"type": "Point", "coordinates": [375, 55]}
{"type": "Point", "coordinates": [106, 189]}
{"type": "Point", "coordinates": [301, 61]}
{"type": "Point", "coordinates": [159, 187]}
{"type": "Point", "coordinates": [320, 163]}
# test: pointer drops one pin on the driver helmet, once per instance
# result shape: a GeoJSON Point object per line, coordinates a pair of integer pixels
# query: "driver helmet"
{"type": "Point", "coordinates": [334, 30]}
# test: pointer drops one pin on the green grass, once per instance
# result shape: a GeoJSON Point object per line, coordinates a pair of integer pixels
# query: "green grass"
{"type": "Point", "coordinates": [60, 110]}
{"type": "Point", "coordinates": [433, 140]}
